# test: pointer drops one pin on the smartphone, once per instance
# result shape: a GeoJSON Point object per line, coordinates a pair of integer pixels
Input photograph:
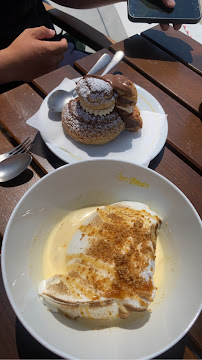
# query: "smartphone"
{"type": "Point", "coordinates": [154, 11]}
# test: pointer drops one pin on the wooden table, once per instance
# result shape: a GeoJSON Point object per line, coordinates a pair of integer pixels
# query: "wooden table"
{"type": "Point", "coordinates": [169, 66]}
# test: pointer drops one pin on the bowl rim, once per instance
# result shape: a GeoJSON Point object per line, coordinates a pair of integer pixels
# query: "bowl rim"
{"type": "Point", "coordinates": [3, 263]}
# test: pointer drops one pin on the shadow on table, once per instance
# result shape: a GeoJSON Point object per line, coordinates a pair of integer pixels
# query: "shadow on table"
{"type": "Point", "coordinates": [42, 150]}
{"type": "Point", "coordinates": [156, 161]}
{"type": "Point", "coordinates": [176, 352]}
{"type": "Point", "coordinates": [171, 44]}
{"type": "Point", "coordinates": [133, 48]}
{"type": "Point", "coordinates": [28, 347]}
{"type": "Point", "coordinates": [21, 179]}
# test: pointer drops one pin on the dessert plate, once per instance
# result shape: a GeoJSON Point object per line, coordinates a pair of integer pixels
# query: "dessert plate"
{"type": "Point", "coordinates": [139, 147]}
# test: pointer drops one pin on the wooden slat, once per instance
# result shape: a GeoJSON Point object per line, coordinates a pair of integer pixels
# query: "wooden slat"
{"type": "Point", "coordinates": [7, 327]}
{"type": "Point", "coordinates": [178, 80]}
{"type": "Point", "coordinates": [48, 82]}
{"type": "Point", "coordinates": [17, 106]}
{"type": "Point", "coordinates": [188, 353]}
{"type": "Point", "coordinates": [15, 341]}
{"type": "Point", "coordinates": [181, 175]}
{"type": "Point", "coordinates": [80, 30]}
{"type": "Point", "coordinates": [178, 351]}
{"type": "Point", "coordinates": [196, 334]}
{"type": "Point", "coordinates": [184, 130]}
{"type": "Point", "coordinates": [177, 44]}
{"type": "Point", "coordinates": [12, 191]}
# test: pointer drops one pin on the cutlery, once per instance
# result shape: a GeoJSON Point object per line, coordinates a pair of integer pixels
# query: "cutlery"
{"type": "Point", "coordinates": [59, 98]}
{"type": "Point", "coordinates": [13, 166]}
{"type": "Point", "coordinates": [21, 148]}
{"type": "Point", "coordinates": [118, 56]}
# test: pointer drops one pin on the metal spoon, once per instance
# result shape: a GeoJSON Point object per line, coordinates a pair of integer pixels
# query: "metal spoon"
{"type": "Point", "coordinates": [118, 56]}
{"type": "Point", "coordinates": [59, 98]}
{"type": "Point", "coordinates": [13, 166]}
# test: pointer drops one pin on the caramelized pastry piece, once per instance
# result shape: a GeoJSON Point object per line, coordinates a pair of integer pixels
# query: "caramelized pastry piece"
{"type": "Point", "coordinates": [126, 90]}
{"type": "Point", "coordinates": [88, 128]}
{"type": "Point", "coordinates": [96, 95]}
{"type": "Point", "coordinates": [110, 264]}
{"type": "Point", "coordinates": [126, 100]}
{"type": "Point", "coordinates": [133, 121]}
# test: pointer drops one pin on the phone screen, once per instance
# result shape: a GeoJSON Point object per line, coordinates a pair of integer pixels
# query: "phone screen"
{"type": "Point", "coordinates": [185, 11]}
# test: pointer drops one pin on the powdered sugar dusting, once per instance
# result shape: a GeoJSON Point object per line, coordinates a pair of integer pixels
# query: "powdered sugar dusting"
{"type": "Point", "coordinates": [95, 90]}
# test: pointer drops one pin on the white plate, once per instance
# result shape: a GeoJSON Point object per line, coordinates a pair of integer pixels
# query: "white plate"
{"type": "Point", "coordinates": [178, 299]}
{"type": "Point", "coordinates": [140, 148]}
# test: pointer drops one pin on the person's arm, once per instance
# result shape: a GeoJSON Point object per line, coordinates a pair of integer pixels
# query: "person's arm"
{"type": "Point", "coordinates": [88, 4]}
{"type": "Point", "coordinates": [29, 56]}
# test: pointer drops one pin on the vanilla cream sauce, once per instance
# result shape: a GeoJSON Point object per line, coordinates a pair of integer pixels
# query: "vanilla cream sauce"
{"type": "Point", "coordinates": [55, 251]}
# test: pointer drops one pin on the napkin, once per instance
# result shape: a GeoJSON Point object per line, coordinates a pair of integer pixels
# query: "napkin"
{"type": "Point", "coordinates": [139, 147]}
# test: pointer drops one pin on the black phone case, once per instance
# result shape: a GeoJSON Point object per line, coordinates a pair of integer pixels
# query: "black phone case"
{"type": "Point", "coordinates": [164, 20]}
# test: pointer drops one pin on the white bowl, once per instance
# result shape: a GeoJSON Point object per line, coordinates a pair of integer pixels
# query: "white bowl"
{"type": "Point", "coordinates": [97, 182]}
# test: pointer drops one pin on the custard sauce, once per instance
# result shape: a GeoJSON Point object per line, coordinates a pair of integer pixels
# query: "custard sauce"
{"type": "Point", "coordinates": [55, 251]}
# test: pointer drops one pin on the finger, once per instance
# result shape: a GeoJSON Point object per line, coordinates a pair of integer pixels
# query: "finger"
{"type": "Point", "coordinates": [177, 26]}
{"type": "Point", "coordinates": [169, 3]}
{"type": "Point", "coordinates": [63, 42]}
{"type": "Point", "coordinates": [43, 32]}
{"type": "Point", "coordinates": [57, 47]}
{"type": "Point", "coordinates": [164, 27]}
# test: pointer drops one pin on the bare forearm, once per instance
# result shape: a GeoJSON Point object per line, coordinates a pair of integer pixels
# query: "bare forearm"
{"type": "Point", "coordinates": [7, 67]}
{"type": "Point", "coordinates": [86, 4]}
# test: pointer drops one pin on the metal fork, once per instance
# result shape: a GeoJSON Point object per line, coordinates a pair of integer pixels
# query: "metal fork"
{"type": "Point", "coordinates": [25, 146]}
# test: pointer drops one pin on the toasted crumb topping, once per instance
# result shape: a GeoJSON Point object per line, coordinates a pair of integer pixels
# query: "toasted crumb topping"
{"type": "Point", "coordinates": [123, 239]}
{"type": "Point", "coordinates": [58, 287]}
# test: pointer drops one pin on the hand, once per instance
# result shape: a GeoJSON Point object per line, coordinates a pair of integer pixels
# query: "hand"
{"type": "Point", "coordinates": [170, 4]}
{"type": "Point", "coordinates": [31, 57]}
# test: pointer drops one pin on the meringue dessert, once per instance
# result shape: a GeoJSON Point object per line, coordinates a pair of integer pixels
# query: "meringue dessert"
{"type": "Point", "coordinates": [106, 269]}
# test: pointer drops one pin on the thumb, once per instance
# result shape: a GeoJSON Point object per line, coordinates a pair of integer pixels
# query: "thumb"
{"type": "Point", "coordinates": [169, 3]}
{"type": "Point", "coordinates": [43, 32]}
